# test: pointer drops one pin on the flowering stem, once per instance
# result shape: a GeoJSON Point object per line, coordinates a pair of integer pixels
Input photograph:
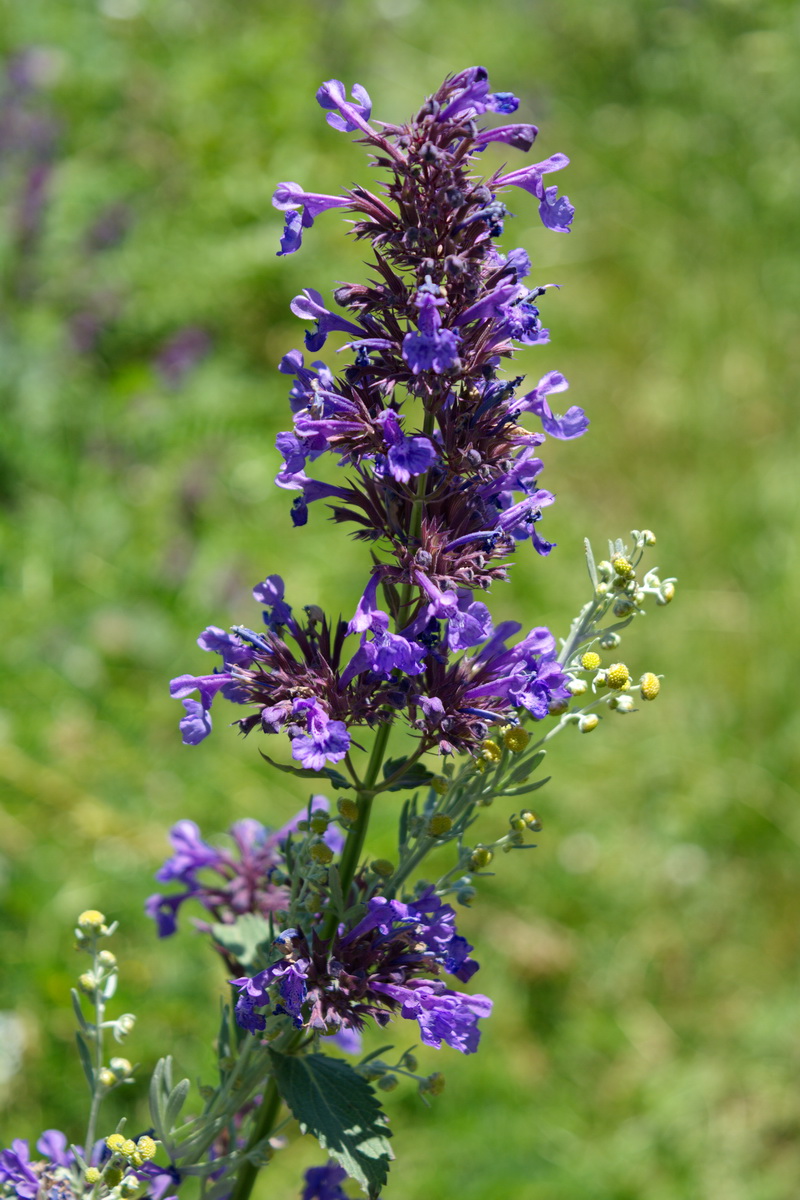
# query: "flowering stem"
{"type": "Point", "coordinates": [358, 830]}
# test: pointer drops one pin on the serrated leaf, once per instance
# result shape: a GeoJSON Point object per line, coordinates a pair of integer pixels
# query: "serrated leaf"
{"type": "Point", "coordinates": [247, 939]}
{"type": "Point", "coordinates": [340, 1109]}
{"type": "Point", "coordinates": [86, 1061]}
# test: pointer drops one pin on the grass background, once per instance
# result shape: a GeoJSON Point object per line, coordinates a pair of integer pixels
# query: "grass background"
{"type": "Point", "coordinates": [643, 960]}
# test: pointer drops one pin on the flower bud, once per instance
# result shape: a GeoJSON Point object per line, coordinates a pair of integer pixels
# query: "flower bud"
{"type": "Point", "coordinates": [382, 867]}
{"type": "Point", "coordinates": [107, 1078]}
{"type": "Point", "coordinates": [434, 1084]}
{"type": "Point", "coordinates": [531, 820]}
{"type": "Point", "coordinates": [604, 570]}
{"type": "Point", "coordinates": [320, 822]}
{"type": "Point", "coordinates": [623, 566]}
{"type": "Point", "coordinates": [491, 751]}
{"type": "Point", "coordinates": [617, 676]}
{"type": "Point", "coordinates": [648, 537]}
{"type": "Point", "coordinates": [649, 686]}
{"type": "Point", "coordinates": [128, 1147]}
{"type": "Point", "coordinates": [481, 857]}
{"type": "Point", "coordinates": [610, 641]}
{"type": "Point", "coordinates": [515, 739]}
{"type": "Point", "coordinates": [120, 1067]}
{"type": "Point", "coordinates": [91, 1175]}
{"type": "Point", "coordinates": [146, 1147]}
{"type": "Point", "coordinates": [590, 661]}
{"type": "Point", "coordinates": [388, 1083]}
{"type": "Point", "coordinates": [588, 722]}
{"type": "Point", "coordinates": [321, 854]}
{"type": "Point", "coordinates": [517, 824]}
{"type": "Point", "coordinates": [439, 825]}
{"type": "Point", "coordinates": [348, 809]}
{"type": "Point", "coordinates": [622, 704]}
{"type": "Point", "coordinates": [107, 960]}
{"type": "Point", "coordinates": [123, 1026]}
{"type": "Point", "coordinates": [667, 593]}
{"type": "Point", "coordinates": [576, 687]}
{"type": "Point", "coordinates": [623, 605]}
{"type": "Point", "coordinates": [115, 1141]}
{"type": "Point", "coordinates": [91, 921]}
{"type": "Point", "coordinates": [439, 785]}
{"type": "Point", "coordinates": [87, 982]}
{"type": "Point", "coordinates": [131, 1186]}
{"type": "Point", "coordinates": [409, 1061]}
{"type": "Point", "coordinates": [112, 1176]}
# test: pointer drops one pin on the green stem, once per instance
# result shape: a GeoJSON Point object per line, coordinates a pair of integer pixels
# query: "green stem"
{"type": "Point", "coordinates": [358, 830]}
{"type": "Point", "coordinates": [267, 1113]}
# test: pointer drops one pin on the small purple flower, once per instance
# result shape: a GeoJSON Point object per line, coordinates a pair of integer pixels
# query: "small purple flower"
{"type": "Point", "coordinates": [407, 456]}
{"type": "Point", "coordinates": [431, 348]}
{"type": "Point", "coordinates": [15, 1168]}
{"type": "Point", "coordinates": [301, 208]}
{"type": "Point", "coordinates": [442, 1015]}
{"type": "Point", "coordinates": [573, 424]}
{"type": "Point", "coordinates": [196, 724]}
{"type": "Point", "coordinates": [323, 1183]}
{"type": "Point", "coordinates": [324, 740]}
{"type": "Point", "coordinates": [349, 115]}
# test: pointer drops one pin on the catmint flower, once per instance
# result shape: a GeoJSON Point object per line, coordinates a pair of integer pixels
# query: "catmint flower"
{"type": "Point", "coordinates": [382, 964]}
{"type": "Point", "coordinates": [226, 882]}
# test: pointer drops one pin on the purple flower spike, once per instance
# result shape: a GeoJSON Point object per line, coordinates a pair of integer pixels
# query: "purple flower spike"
{"type": "Point", "coordinates": [349, 115]}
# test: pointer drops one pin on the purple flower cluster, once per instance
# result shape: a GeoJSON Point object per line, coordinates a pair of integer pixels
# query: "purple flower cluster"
{"type": "Point", "coordinates": [441, 474]}
{"type": "Point", "coordinates": [381, 966]}
{"type": "Point", "coordinates": [300, 680]}
{"type": "Point", "coordinates": [444, 309]}
{"type": "Point", "coordinates": [245, 880]}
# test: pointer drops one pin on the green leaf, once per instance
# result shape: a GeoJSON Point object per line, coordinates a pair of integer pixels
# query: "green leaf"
{"type": "Point", "coordinates": [336, 778]}
{"type": "Point", "coordinates": [248, 940]}
{"type": "Point", "coordinates": [86, 1061]}
{"type": "Point", "coordinates": [525, 768]}
{"type": "Point", "coordinates": [175, 1102]}
{"type": "Point", "coordinates": [76, 1004]}
{"type": "Point", "coordinates": [526, 788]}
{"type": "Point", "coordinates": [332, 1102]}
{"type": "Point", "coordinates": [416, 776]}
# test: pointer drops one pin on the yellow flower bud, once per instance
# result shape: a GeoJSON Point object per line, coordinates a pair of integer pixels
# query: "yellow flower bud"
{"type": "Point", "coordinates": [319, 822]}
{"type": "Point", "coordinates": [112, 1176]}
{"type": "Point", "coordinates": [517, 824]}
{"type": "Point", "coordinates": [115, 1142]}
{"type": "Point", "coordinates": [438, 825]}
{"type": "Point", "coordinates": [516, 738]}
{"type": "Point", "coordinates": [120, 1066]}
{"type": "Point", "coordinates": [440, 785]}
{"type": "Point", "coordinates": [107, 1078]}
{"type": "Point", "coordinates": [87, 983]}
{"type": "Point", "coordinates": [622, 566]}
{"type": "Point", "coordinates": [617, 676]}
{"type": "Point", "coordinates": [106, 959]}
{"type": "Point", "coordinates": [388, 1083]}
{"type": "Point", "coordinates": [590, 661]}
{"type": "Point", "coordinates": [649, 685]}
{"type": "Point", "coordinates": [481, 857]}
{"type": "Point", "coordinates": [91, 921]}
{"type": "Point", "coordinates": [128, 1147]}
{"type": "Point", "coordinates": [382, 867]}
{"type": "Point", "coordinates": [348, 809]}
{"type": "Point", "coordinates": [531, 820]}
{"type": "Point", "coordinates": [321, 853]}
{"type": "Point", "coordinates": [588, 722]}
{"type": "Point", "coordinates": [491, 751]}
{"type": "Point", "coordinates": [667, 593]}
{"type": "Point", "coordinates": [146, 1147]}
{"type": "Point", "coordinates": [433, 1084]}
{"type": "Point", "coordinates": [91, 1175]}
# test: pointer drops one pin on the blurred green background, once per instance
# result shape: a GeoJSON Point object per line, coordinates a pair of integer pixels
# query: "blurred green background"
{"type": "Point", "coordinates": [644, 959]}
